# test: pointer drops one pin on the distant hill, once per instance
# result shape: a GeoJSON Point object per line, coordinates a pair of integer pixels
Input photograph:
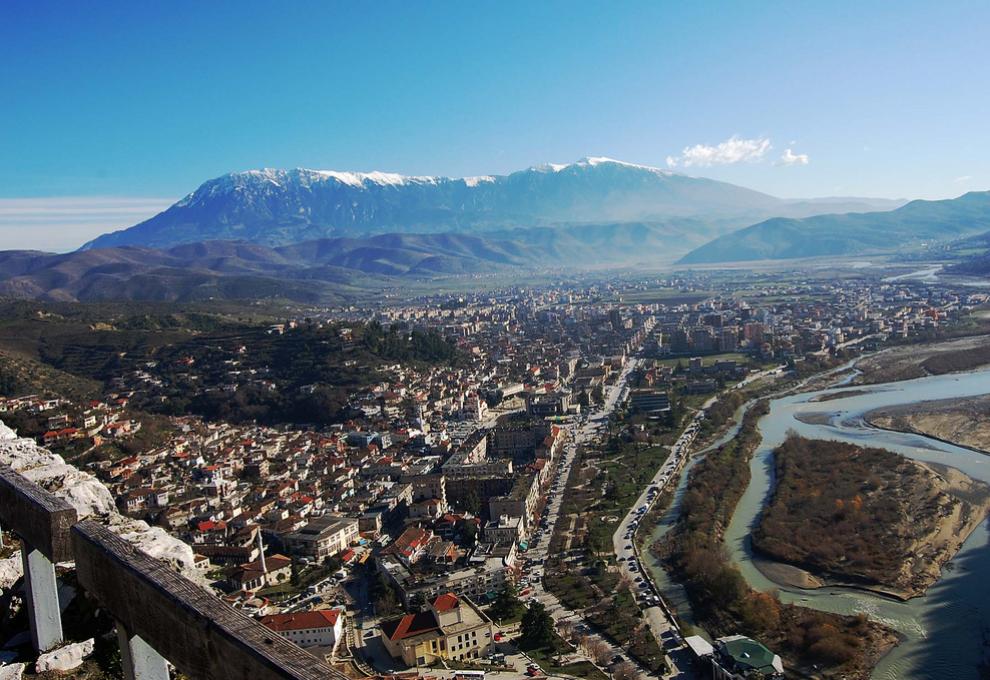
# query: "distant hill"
{"type": "Point", "coordinates": [306, 272]}
{"type": "Point", "coordinates": [911, 225]}
{"type": "Point", "coordinates": [279, 207]}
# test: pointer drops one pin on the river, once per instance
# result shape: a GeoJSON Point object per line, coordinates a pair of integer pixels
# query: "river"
{"type": "Point", "coordinates": [944, 631]}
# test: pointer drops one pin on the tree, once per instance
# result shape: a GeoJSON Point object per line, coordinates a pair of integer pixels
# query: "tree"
{"type": "Point", "coordinates": [566, 629]}
{"type": "Point", "coordinates": [507, 605]}
{"type": "Point", "coordinates": [294, 566]}
{"type": "Point", "coordinates": [469, 532]}
{"type": "Point", "coordinates": [625, 671]}
{"type": "Point", "coordinates": [599, 651]}
{"type": "Point", "coordinates": [537, 627]}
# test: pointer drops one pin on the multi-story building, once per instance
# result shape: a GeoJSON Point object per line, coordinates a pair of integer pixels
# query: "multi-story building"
{"type": "Point", "coordinates": [323, 536]}
{"type": "Point", "coordinates": [451, 627]}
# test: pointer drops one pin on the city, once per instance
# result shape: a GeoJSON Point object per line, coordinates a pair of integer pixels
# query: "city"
{"type": "Point", "coordinates": [494, 341]}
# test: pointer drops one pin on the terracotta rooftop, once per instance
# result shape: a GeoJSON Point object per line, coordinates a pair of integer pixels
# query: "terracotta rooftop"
{"type": "Point", "coordinates": [446, 602]}
{"type": "Point", "coordinates": [324, 618]}
{"type": "Point", "coordinates": [409, 625]}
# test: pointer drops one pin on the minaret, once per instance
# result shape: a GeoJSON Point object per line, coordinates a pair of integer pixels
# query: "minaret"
{"type": "Point", "coordinates": [261, 550]}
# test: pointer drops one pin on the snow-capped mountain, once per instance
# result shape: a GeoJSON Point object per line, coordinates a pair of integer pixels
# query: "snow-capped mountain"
{"type": "Point", "coordinates": [275, 207]}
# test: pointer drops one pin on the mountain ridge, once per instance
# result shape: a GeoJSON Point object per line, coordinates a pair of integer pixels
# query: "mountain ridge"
{"type": "Point", "coordinates": [839, 234]}
{"type": "Point", "coordinates": [278, 207]}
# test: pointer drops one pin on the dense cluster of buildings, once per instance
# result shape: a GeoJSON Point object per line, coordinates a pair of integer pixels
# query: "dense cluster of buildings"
{"type": "Point", "coordinates": [435, 475]}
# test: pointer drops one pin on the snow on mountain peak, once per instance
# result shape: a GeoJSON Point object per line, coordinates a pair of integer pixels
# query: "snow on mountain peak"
{"type": "Point", "coordinates": [475, 181]}
{"type": "Point", "coordinates": [595, 161]}
{"type": "Point", "coordinates": [362, 179]}
{"type": "Point", "coordinates": [592, 161]}
{"type": "Point", "coordinates": [241, 181]}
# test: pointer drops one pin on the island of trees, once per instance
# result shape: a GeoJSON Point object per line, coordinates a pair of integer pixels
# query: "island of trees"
{"type": "Point", "coordinates": [867, 516]}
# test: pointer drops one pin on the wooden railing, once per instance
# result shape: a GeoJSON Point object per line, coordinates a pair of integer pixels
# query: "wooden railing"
{"type": "Point", "coordinates": [162, 617]}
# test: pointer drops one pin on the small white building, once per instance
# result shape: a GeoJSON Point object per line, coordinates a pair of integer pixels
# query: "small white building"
{"type": "Point", "coordinates": [322, 628]}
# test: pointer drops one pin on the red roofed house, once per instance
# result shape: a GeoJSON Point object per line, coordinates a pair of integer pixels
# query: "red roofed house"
{"type": "Point", "coordinates": [410, 544]}
{"type": "Point", "coordinates": [322, 628]}
{"type": "Point", "coordinates": [451, 627]}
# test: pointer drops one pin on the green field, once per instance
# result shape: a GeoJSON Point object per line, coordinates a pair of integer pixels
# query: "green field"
{"type": "Point", "coordinates": [667, 296]}
{"type": "Point", "coordinates": [709, 359]}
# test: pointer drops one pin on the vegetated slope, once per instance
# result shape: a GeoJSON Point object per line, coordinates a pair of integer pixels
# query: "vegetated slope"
{"type": "Point", "coordinates": [218, 366]}
{"type": "Point", "coordinates": [21, 375]}
{"type": "Point", "coordinates": [867, 515]}
{"type": "Point", "coordinates": [846, 234]}
{"type": "Point", "coordinates": [974, 253]}
{"type": "Point", "coordinates": [324, 270]}
{"type": "Point", "coordinates": [277, 207]}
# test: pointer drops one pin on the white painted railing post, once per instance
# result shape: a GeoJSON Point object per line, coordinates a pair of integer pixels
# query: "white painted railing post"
{"type": "Point", "coordinates": [44, 615]}
{"type": "Point", "coordinates": [137, 658]}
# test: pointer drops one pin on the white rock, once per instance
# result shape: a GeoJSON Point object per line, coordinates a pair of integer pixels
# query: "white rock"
{"type": "Point", "coordinates": [50, 471]}
{"type": "Point", "coordinates": [80, 489]}
{"type": "Point", "coordinates": [65, 658]}
{"type": "Point", "coordinates": [12, 672]}
{"type": "Point", "coordinates": [92, 499]}
{"type": "Point", "coordinates": [156, 542]}
{"type": "Point", "coordinates": [11, 569]}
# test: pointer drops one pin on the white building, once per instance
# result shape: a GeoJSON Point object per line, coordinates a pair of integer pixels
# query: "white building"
{"type": "Point", "coordinates": [322, 628]}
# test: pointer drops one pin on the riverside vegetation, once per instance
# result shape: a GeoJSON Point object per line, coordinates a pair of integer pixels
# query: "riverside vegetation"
{"type": "Point", "coordinates": [695, 554]}
{"type": "Point", "coordinates": [867, 516]}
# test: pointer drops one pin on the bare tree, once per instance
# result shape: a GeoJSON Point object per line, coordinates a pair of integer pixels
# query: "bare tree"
{"type": "Point", "coordinates": [599, 652]}
{"type": "Point", "coordinates": [625, 671]}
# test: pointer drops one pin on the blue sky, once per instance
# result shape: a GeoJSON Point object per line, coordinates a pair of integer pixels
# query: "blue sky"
{"type": "Point", "coordinates": [133, 105]}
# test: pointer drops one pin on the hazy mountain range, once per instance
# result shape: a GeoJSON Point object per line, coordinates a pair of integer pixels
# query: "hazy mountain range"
{"type": "Point", "coordinates": [915, 224]}
{"type": "Point", "coordinates": [277, 207]}
{"type": "Point", "coordinates": [310, 235]}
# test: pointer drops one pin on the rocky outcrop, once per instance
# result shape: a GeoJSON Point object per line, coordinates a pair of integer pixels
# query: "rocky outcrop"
{"type": "Point", "coordinates": [91, 500]}
{"type": "Point", "coordinates": [65, 658]}
{"type": "Point", "coordinates": [11, 570]}
{"type": "Point", "coordinates": [14, 671]}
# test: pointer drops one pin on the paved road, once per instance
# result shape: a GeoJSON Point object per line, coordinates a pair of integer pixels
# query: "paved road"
{"type": "Point", "coordinates": [661, 622]}
{"type": "Point", "coordinates": [579, 435]}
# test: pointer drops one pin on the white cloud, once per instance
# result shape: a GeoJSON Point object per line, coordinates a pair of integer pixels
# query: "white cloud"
{"type": "Point", "coordinates": [65, 223]}
{"type": "Point", "coordinates": [964, 178]}
{"type": "Point", "coordinates": [733, 150]}
{"type": "Point", "coordinates": [791, 158]}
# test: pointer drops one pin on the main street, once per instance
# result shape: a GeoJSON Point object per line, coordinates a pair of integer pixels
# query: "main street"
{"type": "Point", "coordinates": [580, 435]}
{"type": "Point", "coordinates": [661, 621]}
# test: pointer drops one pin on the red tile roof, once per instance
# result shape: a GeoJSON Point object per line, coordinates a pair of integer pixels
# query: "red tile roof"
{"type": "Point", "coordinates": [445, 602]}
{"type": "Point", "coordinates": [409, 625]}
{"type": "Point", "coordinates": [325, 618]}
